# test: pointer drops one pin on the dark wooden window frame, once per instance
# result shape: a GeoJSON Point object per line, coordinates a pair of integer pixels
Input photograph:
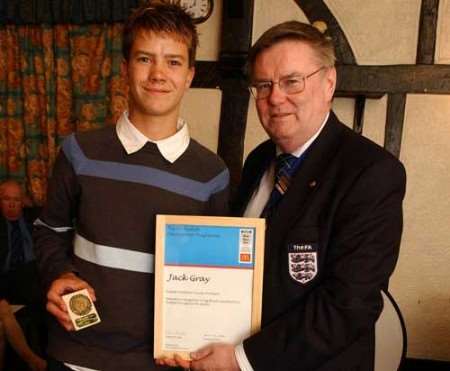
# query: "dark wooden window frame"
{"type": "Point", "coordinates": [355, 81]}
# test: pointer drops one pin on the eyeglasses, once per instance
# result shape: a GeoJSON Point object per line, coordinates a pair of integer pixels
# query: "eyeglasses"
{"type": "Point", "coordinates": [289, 85]}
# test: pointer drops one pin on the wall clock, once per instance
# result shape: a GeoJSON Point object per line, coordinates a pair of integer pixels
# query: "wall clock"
{"type": "Point", "coordinates": [199, 10]}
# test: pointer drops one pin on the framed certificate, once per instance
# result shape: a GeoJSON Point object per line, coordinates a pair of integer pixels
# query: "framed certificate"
{"type": "Point", "coordinates": [208, 281]}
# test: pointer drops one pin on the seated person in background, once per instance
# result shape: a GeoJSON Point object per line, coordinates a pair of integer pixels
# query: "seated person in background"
{"type": "Point", "coordinates": [18, 271]}
{"type": "Point", "coordinates": [10, 329]}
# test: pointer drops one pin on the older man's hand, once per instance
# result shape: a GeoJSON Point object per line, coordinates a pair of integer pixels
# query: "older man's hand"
{"type": "Point", "coordinates": [215, 357]}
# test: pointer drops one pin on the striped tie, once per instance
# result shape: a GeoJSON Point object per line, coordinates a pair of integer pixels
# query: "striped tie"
{"type": "Point", "coordinates": [285, 166]}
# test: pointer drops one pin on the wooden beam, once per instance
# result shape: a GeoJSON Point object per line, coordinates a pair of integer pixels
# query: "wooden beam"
{"type": "Point", "coordinates": [317, 10]}
{"type": "Point", "coordinates": [370, 81]}
{"type": "Point", "coordinates": [394, 123]}
{"type": "Point", "coordinates": [399, 79]}
{"type": "Point", "coordinates": [233, 120]}
{"type": "Point", "coordinates": [236, 37]}
{"type": "Point", "coordinates": [206, 75]}
{"type": "Point", "coordinates": [427, 32]}
{"type": "Point", "coordinates": [358, 117]}
{"type": "Point", "coordinates": [237, 22]}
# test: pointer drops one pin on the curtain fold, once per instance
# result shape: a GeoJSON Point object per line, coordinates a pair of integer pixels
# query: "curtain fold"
{"type": "Point", "coordinates": [54, 80]}
{"type": "Point", "coordinates": [25, 12]}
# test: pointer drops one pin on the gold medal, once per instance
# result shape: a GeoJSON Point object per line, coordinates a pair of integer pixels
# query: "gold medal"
{"type": "Point", "coordinates": [81, 309]}
{"type": "Point", "coordinates": [80, 304]}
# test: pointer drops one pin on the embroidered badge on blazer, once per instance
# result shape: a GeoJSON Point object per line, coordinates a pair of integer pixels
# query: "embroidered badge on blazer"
{"type": "Point", "coordinates": [302, 261]}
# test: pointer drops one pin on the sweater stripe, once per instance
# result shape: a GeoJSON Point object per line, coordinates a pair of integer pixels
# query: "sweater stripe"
{"type": "Point", "coordinates": [40, 223]}
{"type": "Point", "coordinates": [113, 257]}
{"type": "Point", "coordinates": [142, 174]}
{"type": "Point", "coordinates": [78, 368]}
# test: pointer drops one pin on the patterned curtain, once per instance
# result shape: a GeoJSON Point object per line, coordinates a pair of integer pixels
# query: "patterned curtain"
{"type": "Point", "coordinates": [54, 80]}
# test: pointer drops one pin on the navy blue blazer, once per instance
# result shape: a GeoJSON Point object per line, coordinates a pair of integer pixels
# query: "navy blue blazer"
{"type": "Point", "coordinates": [331, 246]}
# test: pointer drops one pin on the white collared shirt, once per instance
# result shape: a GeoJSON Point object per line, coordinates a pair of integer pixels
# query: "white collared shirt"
{"type": "Point", "coordinates": [133, 140]}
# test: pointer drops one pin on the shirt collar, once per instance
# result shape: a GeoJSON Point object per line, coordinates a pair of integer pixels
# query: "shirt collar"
{"type": "Point", "coordinates": [302, 149]}
{"type": "Point", "coordinates": [133, 140]}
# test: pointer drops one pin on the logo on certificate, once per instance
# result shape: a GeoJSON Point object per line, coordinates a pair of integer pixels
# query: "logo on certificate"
{"type": "Point", "coordinates": [246, 242]}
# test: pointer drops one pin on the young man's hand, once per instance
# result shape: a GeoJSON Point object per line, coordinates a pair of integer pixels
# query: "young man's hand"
{"type": "Point", "coordinates": [65, 284]}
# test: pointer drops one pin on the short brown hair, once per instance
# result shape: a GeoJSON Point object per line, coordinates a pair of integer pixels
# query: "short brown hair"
{"type": "Point", "coordinates": [160, 17]}
{"type": "Point", "coordinates": [295, 31]}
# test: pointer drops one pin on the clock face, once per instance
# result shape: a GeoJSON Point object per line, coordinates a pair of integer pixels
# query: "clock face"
{"type": "Point", "coordinates": [199, 10]}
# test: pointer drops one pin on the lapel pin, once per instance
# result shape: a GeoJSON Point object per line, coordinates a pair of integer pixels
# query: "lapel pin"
{"type": "Point", "coordinates": [312, 184]}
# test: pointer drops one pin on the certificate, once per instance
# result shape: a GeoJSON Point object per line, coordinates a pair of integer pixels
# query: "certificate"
{"type": "Point", "coordinates": [208, 281]}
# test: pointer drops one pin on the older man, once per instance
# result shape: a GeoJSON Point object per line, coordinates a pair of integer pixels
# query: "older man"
{"type": "Point", "coordinates": [333, 204]}
{"type": "Point", "coordinates": [17, 260]}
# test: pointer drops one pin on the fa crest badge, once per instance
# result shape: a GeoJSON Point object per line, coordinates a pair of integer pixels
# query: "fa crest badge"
{"type": "Point", "coordinates": [302, 262]}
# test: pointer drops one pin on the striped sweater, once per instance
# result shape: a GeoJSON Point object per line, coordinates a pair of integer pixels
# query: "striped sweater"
{"type": "Point", "coordinates": [99, 221]}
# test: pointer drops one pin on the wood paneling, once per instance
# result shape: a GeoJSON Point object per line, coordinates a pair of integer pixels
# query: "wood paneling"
{"type": "Point", "coordinates": [317, 10]}
{"type": "Point", "coordinates": [426, 45]}
{"type": "Point", "coordinates": [421, 79]}
{"type": "Point", "coordinates": [394, 123]}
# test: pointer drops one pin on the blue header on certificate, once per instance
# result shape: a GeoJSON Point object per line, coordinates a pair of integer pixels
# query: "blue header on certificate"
{"type": "Point", "coordinates": [209, 246]}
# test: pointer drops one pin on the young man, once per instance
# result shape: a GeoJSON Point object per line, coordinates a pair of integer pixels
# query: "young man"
{"type": "Point", "coordinates": [333, 204]}
{"type": "Point", "coordinates": [97, 230]}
